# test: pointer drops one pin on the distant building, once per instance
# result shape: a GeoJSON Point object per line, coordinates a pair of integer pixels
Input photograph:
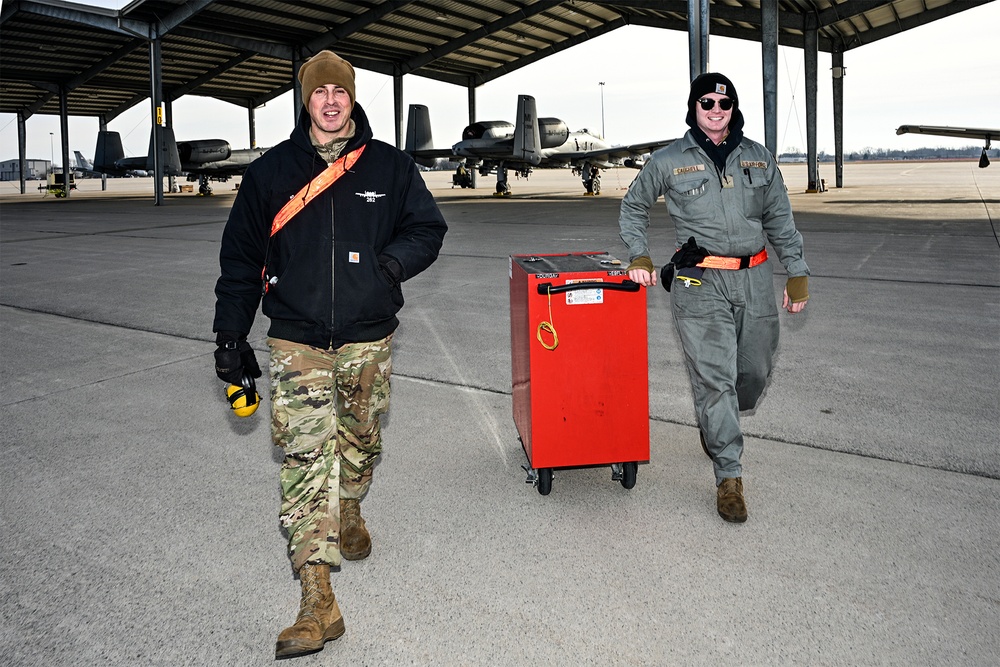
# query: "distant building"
{"type": "Point", "coordinates": [10, 170]}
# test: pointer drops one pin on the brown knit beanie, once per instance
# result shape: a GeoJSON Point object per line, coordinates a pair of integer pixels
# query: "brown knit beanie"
{"type": "Point", "coordinates": [323, 68]}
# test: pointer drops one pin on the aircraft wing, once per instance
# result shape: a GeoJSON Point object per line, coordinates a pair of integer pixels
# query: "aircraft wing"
{"type": "Point", "coordinates": [432, 153]}
{"type": "Point", "coordinates": [610, 154]}
{"type": "Point", "coordinates": [945, 131]}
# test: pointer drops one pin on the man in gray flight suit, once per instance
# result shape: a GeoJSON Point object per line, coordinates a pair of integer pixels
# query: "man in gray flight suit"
{"type": "Point", "coordinates": [725, 196]}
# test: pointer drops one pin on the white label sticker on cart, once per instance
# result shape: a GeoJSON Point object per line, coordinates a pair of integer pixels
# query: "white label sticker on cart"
{"type": "Point", "coordinates": [584, 296]}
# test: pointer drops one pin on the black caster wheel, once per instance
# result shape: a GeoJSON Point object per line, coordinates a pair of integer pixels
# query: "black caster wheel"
{"type": "Point", "coordinates": [629, 470]}
{"type": "Point", "coordinates": [544, 481]}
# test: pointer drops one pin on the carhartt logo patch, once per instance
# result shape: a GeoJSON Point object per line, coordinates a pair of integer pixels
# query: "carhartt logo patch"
{"type": "Point", "coordinates": [748, 164]}
{"type": "Point", "coordinates": [370, 196]}
{"type": "Point", "coordinates": [687, 170]}
{"type": "Point", "coordinates": [354, 257]}
{"type": "Point", "coordinates": [720, 88]}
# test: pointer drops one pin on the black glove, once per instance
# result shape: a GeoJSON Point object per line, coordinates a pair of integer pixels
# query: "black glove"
{"type": "Point", "coordinates": [688, 255]}
{"type": "Point", "coordinates": [234, 358]}
{"type": "Point", "coordinates": [391, 269]}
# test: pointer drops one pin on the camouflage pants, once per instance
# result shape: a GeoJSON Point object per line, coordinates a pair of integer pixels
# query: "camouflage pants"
{"type": "Point", "coordinates": [325, 407]}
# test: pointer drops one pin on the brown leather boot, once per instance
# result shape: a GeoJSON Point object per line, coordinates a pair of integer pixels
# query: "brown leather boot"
{"type": "Point", "coordinates": [319, 618]}
{"type": "Point", "coordinates": [355, 541]}
{"type": "Point", "coordinates": [730, 500]}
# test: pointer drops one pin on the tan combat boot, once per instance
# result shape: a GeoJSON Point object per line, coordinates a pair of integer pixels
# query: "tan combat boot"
{"type": "Point", "coordinates": [319, 618]}
{"type": "Point", "coordinates": [730, 501]}
{"type": "Point", "coordinates": [355, 542]}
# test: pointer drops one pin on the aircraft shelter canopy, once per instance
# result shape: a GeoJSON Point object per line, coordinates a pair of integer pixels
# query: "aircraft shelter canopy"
{"type": "Point", "coordinates": [244, 51]}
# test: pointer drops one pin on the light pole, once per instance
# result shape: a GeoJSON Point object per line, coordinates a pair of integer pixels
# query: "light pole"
{"type": "Point", "coordinates": [52, 155]}
{"type": "Point", "coordinates": [601, 83]}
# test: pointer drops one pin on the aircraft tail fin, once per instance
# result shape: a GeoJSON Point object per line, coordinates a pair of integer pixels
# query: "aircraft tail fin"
{"type": "Point", "coordinates": [81, 162]}
{"type": "Point", "coordinates": [109, 150]}
{"type": "Point", "coordinates": [168, 152]}
{"type": "Point", "coordinates": [527, 137]}
{"type": "Point", "coordinates": [418, 134]}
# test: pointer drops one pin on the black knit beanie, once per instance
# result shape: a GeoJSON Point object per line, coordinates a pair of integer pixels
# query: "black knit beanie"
{"type": "Point", "coordinates": [710, 82]}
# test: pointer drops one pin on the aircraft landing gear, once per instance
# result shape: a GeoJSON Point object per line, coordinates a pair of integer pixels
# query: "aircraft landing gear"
{"type": "Point", "coordinates": [591, 180]}
{"type": "Point", "coordinates": [503, 188]}
{"type": "Point", "coordinates": [204, 189]}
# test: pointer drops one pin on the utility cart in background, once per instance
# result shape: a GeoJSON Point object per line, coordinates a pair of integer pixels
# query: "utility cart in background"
{"type": "Point", "coordinates": [579, 364]}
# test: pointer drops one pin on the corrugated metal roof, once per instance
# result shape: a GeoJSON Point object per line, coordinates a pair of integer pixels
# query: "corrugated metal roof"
{"type": "Point", "coordinates": [241, 51]}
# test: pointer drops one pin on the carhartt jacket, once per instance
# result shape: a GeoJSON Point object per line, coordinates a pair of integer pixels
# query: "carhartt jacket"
{"type": "Point", "coordinates": [728, 213]}
{"type": "Point", "coordinates": [326, 288]}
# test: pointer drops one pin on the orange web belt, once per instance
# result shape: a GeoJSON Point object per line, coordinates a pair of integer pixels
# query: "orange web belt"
{"type": "Point", "coordinates": [313, 188]}
{"type": "Point", "coordinates": [310, 191]}
{"type": "Point", "coordinates": [733, 263]}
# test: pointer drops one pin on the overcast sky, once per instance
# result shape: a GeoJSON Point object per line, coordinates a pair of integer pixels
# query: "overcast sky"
{"type": "Point", "coordinates": [943, 73]}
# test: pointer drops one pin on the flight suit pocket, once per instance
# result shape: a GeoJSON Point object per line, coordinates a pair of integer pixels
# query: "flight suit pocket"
{"type": "Point", "coordinates": [693, 188]}
{"type": "Point", "coordinates": [754, 186]}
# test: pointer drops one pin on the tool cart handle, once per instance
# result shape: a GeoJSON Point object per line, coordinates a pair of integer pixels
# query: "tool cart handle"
{"type": "Point", "coordinates": [624, 286]}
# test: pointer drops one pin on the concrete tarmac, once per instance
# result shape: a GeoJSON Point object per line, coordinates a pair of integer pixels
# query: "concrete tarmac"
{"type": "Point", "coordinates": [139, 516]}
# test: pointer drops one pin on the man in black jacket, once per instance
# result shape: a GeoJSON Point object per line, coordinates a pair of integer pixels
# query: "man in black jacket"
{"type": "Point", "coordinates": [326, 226]}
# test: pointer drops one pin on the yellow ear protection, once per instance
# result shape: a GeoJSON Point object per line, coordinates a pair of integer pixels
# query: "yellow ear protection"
{"type": "Point", "coordinates": [243, 399]}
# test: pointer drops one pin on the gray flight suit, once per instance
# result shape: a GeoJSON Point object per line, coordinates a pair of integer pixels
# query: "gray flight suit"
{"type": "Point", "coordinates": [728, 325]}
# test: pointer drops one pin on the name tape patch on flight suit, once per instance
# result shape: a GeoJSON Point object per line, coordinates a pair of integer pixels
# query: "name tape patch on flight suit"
{"type": "Point", "coordinates": [755, 164]}
{"type": "Point", "coordinates": [687, 170]}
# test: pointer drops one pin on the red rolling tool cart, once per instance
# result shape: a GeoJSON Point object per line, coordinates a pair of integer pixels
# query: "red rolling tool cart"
{"type": "Point", "coordinates": [579, 364]}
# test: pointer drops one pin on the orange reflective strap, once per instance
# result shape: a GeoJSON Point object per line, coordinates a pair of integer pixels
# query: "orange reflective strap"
{"type": "Point", "coordinates": [733, 263]}
{"type": "Point", "coordinates": [715, 262]}
{"type": "Point", "coordinates": [314, 187]}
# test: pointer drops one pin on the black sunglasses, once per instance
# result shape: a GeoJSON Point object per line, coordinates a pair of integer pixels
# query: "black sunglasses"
{"type": "Point", "coordinates": [725, 103]}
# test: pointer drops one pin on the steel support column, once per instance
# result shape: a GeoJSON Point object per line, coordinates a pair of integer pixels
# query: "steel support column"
{"type": "Point", "coordinates": [472, 119]}
{"type": "Point", "coordinates": [397, 108]}
{"type": "Point", "coordinates": [102, 126]}
{"type": "Point", "coordinates": [169, 118]}
{"type": "Point", "coordinates": [64, 139]}
{"type": "Point", "coordinates": [156, 100]}
{"type": "Point", "coordinates": [769, 67]}
{"type": "Point", "coordinates": [22, 147]}
{"type": "Point", "coordinates": [811, 48]}
{"type": "Point", "coordinates": [838, 114]}
{"type": "Point", "coordinates": [252, 123]}
{"type": "Point", "coordinates": [296, 88]}
{"type": "Point", "coordinates": [698, 30]}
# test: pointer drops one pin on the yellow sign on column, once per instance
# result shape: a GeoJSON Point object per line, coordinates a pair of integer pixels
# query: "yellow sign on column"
{"type": "Point", "coordinates": [159, 115]}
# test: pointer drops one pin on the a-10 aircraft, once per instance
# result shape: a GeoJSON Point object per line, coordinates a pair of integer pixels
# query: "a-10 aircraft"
{"type": "Point", "coordinates": [986, 134]}
{"type": "Point", "coordinates": [203, 160]}
{"type": "Point", "coordinates": [529, 143]}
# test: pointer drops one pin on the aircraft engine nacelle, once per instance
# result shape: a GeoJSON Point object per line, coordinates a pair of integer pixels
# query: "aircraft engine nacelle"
{"type": "Point", "coordinates": [488, 129]}
{"type": "Point", "coordinates": [552, 132]}
{"type": "Point", "coordinates": [203, 151]}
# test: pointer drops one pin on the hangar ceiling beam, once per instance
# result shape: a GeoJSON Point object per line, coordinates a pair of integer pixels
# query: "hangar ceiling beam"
{"type": "Point", "coordinates": [179, 91]}
{"type": "Point", "coordinates": [486, 77]}
{"type": "Point", "coordinates": [181, 14]}
{"type": "Point", "coordinates": [273, 49]}
{"type": "Point", "coordinates": [334, 35]}
{"type": "Point", "coordinates": [833, 14]}
{"type": "Point", "coordinates": [679, 7]}
{"type": "Point", "coordinates": [94, 17]}
{"type": "Point", "coordinates": [451, 46]}
{"type": "Point", "coordinates": [923, 18]}
{"type": "Point", "coordinates": [90, 73]}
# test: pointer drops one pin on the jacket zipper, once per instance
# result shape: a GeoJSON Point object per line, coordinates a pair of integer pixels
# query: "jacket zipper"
{"type": "Point", "coordinates": [333, 267]}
